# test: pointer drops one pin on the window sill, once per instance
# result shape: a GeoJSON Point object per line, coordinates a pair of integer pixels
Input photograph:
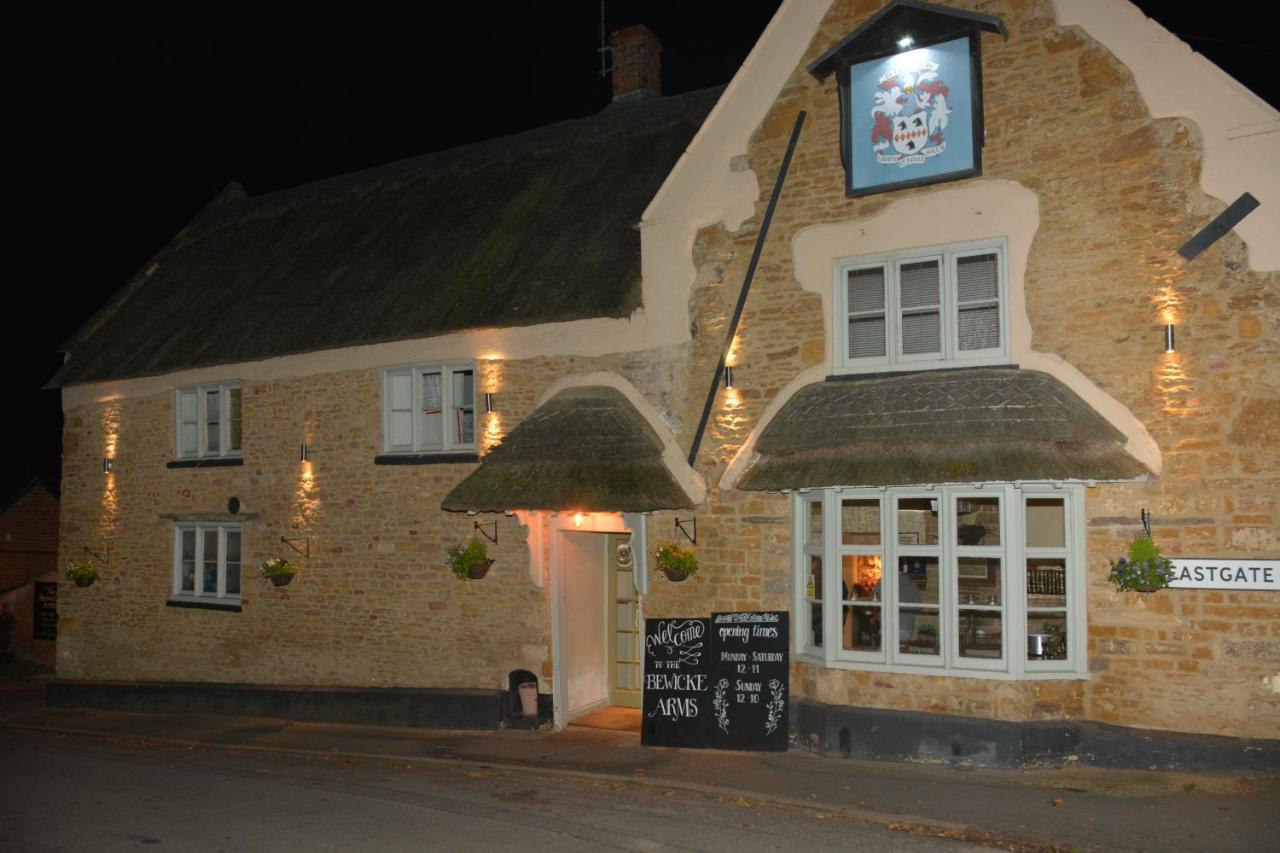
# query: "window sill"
{"type": "Point", "coordinates": [935, 672]}
{"type": "Point", "coordinates": [212, 462]}
{"type": "Point", "coordinates": [424, 458]}
{"type": "Point", "coordinates": [188, 602]}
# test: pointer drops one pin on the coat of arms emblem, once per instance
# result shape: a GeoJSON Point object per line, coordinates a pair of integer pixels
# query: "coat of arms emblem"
{"type": "Point", "coordinates": [909, 115]}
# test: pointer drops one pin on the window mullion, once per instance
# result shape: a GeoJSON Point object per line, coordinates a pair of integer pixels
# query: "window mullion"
{"type": "Point", "coordinates": [448, 416]}
{"type": "Point", "coordinates": [831, 567]}
{"type": "Point", "coordinates": [417, 401]}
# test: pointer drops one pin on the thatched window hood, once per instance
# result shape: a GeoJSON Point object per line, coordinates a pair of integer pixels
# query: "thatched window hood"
{"type": "Point", "coordinates": [586, 449]}
{"type": "Point", "coordinates": [947, 426]}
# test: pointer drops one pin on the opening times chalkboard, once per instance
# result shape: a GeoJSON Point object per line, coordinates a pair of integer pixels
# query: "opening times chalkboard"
{"type": "Point", "coordinates": [722, 682]}
{"type": "Point", "coordinates": [675, 683]}
{"type": "Point", "coordinates": [44, 622]}
{"type": "Point", "coordinates": [750, 681]}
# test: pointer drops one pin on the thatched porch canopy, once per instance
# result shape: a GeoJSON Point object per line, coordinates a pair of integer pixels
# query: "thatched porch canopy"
{"type": "Point", "coordinates": [586, 449]}
{"type": "Point", "coordinates": [973, 425]}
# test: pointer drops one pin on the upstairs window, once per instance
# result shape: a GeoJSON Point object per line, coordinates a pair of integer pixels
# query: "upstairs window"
{"type": "Point", "coordinates": [429, 409]}
{"type": "Point", "coordinates": [922, 308]}
{"type": "Point", "coordinates": [208, 421]}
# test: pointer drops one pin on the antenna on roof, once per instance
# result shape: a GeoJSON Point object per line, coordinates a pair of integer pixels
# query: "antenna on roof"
{"type": "Point", "coordinates": [606, 52]}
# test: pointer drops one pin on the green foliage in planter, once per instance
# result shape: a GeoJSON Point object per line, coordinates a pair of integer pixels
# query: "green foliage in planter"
{"type": "Point", "coordinates": [1144, 570]}
{"type": "Point", "coordinates": [82, 572]}
{"type": "Point", "coordinates": [279, 567]}
{"type": "Point", "coordinates": [461, 559]}
{"type": "Point", "coordinates": [674, 559]}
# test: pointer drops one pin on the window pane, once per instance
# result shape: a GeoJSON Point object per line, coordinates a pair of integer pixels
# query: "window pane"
{"type": "Point", "coordinates": [861, 577]}
{"type": "Point", "coordinates": [1046, 636]}
{"type": "Point", "coordinates": [212, 416]}
{"type": "Point", "coordinates": [187, 406]}
{"type": "Point", "coordinates": [1046, 583]}
{"type": "Point", "coordinates": [980, 634]}
{"type": "Point", "coordinates": [210, 539]}
{"type": "Point", "coordinates": [188, 583]}
{"type": "Point", "coordinates": [233, 562]}
{"type": "Point", "coordinates": [814, 510]}
{"type": "Point", "coordinates": [918, 631]}
{"type": "Point", "coordinates": [188, 437]}
{"type": "Point", "coordinates": [976, 278]}
{"type": "Point", "coordinates": [464, 419]}
{"type": "Point", "coordinates": [917, 521]}
{"type": "Point", "coordinates": [861, 630]}
{"type": "Point", "coordinates": [401, 391]}
{"type": "Point", "coordinates": [979, 328]}
{"type": "Point", "coordinates": [432, 410]}
{"type": "Point", "coordinates": [921, 333]}
{"type": "Point", "coordinates": [860, 522]}
{"type": "Point", "coordinates": [919, 581]}
{"type": "Point", "coordinates": [815, 626]}
{"type": "Point", "coordinates": [918, 284]}
{"type": "Point", "coordinates": [233, 419]}
{"type": "Point", "coordinates": [401, 429]}
{"type": "Point", "coordinates": [813, 581]}
{"type": "Point", "coordinates": [188, 419]}
{"type": "Point", "coordinates": [1046, 523]}
{"type": "Point", "coordinates": [866, 337]}
{"type": "Point", "coordinates": [979, 580]}
{"type": "Point", "coordinates": [866, 290]}
{"type": "Point", "coordinates": [978, 521]}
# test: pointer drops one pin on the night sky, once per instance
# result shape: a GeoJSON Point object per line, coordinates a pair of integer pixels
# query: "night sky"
{"type": "Point", "coordinates": [126, 124]}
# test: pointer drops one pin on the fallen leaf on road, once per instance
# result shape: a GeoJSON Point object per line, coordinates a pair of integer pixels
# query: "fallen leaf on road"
{"type": "Point", "coordinates": [476, 774]}
{"type": "Point", "coordinates": [1056, 802]}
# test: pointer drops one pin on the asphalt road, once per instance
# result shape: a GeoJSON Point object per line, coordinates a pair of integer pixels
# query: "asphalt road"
{"type": "Point", "coordinates": [65, 793]}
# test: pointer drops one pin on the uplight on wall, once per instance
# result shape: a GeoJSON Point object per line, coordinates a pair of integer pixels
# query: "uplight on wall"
{"type": "Point", "coordinates": [728, 376]}
{"type": "Point", "coordinates": [1168, 338]}
{"type": "Point", "coordinates": [488, 401]}
{"type": "Point", "coordinates": [304, 453]}
{"type": "Point", "coordinates": [106, 465]}
{"type": "Point", "coordinates": [577, 519]}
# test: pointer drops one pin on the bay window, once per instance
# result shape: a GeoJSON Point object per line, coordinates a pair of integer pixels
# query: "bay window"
{"type": "Point", "coordinates": [966, 579]}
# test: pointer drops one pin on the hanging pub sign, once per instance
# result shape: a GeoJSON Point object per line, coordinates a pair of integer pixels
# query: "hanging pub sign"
{"type": "Point", "coordinates": [676, 657]}
{"type": "Point", "coordinates": [910, 90]}
{"type": "Point", "coordinates": [1220, 573]}
{"type": "Point", "coordinates": [44, 621]}
{"type": "Point", "coordinates": [750, 681]}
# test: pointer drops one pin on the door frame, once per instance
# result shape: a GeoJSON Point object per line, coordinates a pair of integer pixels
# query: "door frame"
{"type": "Point", "coordinates": [594, 522]}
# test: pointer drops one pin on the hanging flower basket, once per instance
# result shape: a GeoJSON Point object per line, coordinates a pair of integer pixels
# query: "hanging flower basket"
{"type": "Point", "coordinates": [279, 571]}
{"type": "Point", "coordinates": [469, 562]}
{"type": "Point", "coordinates": [82, 573]}
{"type": "Point", "coordinates": [676, 563]}
{"type": "Point", "coordinates": [1144, 570]}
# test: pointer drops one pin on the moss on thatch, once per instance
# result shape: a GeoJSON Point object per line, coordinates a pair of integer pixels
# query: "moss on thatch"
{"type": "Point", "coordinates": [985, 424]}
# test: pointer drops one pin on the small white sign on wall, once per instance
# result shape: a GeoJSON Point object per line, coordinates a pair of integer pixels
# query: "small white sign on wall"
{"type": "Point", "coordinates": [1216, 573]}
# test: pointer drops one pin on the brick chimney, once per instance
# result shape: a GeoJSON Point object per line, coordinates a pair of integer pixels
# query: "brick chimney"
{"type": "Point", "coordinates": [637, 62]}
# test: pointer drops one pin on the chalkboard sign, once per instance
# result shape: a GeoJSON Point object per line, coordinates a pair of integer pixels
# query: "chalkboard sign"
{"type": "Point", "coordinates": [44, 622]}
{"type": "Point", "coordinates": [750, 681]}
{"type": "Point", "coordinates": [675, 683]}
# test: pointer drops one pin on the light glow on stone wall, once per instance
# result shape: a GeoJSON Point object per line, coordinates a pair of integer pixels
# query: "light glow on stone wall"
{"type": "Point", "coordinates": [110, 442]}
{"type": "Point", "coordinates": [306, 498]}
{"type": "Point", "coordinates": [490, 382]}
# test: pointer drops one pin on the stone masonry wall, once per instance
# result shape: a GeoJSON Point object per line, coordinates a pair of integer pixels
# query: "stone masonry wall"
{"type": "Point", "coordinates": [1118, 194]}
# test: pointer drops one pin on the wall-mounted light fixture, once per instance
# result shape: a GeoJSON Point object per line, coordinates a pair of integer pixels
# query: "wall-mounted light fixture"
{"type": "Point", "coordinates": [1168, 337]}
{"type": "Point", "coordinates": [906, 42]}
{"type": "Point", "coordinates": [728, 376]}
{"type": "Point", "coordinates": [304, 453]}
{"type": "Point", "coordinates": [577, 519]}
{"type": "Point", "coordinates": [488, 401]}
{"type": "Point", "coordinates": [106, 465]}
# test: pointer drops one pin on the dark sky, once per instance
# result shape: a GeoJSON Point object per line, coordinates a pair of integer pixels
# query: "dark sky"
{"type": "Point", "coordinates": [127, 123]}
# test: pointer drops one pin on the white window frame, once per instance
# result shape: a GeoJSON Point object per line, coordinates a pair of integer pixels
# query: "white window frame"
{"type": "Point", "coordinates": [415, 372]}
{"type": "Point", "coordinates": [950, 354]}
{"type": "Point", "coordinates": [1013, 553]}
{"type": "Point", "coordinates": [203, 530]}
{"type": "Point", "coordinates": [201, 448]}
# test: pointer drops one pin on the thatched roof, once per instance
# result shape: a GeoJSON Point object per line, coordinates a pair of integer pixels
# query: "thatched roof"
{"type": "Point", "coordinates": [966, 426]}
{"type": "Point", "coordinates": [533, 228]}
{"type": "Point", "coordinates": [585, 449]}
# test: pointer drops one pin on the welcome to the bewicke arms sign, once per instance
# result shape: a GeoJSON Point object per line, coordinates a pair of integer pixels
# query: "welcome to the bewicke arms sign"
{"type": "Point", "coordinates": [1215, 573]}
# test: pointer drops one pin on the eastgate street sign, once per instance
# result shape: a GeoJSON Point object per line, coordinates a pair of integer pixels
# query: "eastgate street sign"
{"type": "Point", "coordinates": [1215, 573]}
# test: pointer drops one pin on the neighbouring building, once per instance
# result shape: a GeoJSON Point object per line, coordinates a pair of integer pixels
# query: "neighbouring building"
{"type": "Point", "coordinates": [28, 569]}
{"type": "Point", "coordinates": [984, 329]}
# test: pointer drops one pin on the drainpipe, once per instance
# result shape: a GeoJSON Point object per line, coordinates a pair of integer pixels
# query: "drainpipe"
{"type": "Point", "coordinates": [746, 287]}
